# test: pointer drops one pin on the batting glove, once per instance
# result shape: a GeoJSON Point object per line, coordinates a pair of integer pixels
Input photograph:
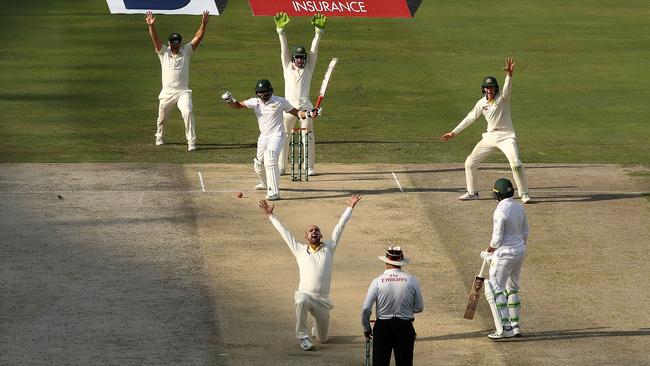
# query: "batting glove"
{"type": "Point", "coordinates": [319, 20]}
{"type": "Point", "coordinates": [281, 20]}
{"type": "Point", "coordinates": [485, 255]}
{"type": "Point", "coordinates": [228, 98]}
{"type": "Point", "coordinates": [313, 113]}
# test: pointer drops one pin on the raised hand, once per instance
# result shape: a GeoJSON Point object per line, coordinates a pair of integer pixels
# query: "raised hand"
{"type": "Point", "coordinates": [205, 17]}
{"type": "Point", "coordinates": [281, 20]}
{"type": "Point", "coordinates": [149, 18]}
{"type": "Point", "coordinates": [447, 136]}
{"type": "Point", "coordinates": [268, 210]}
{"type": "Point", "coordinates": [510, 66]}
{"type": "Point", "coordinates": [352, 201]}
{"type": "Point", "coordinates": [319, 20]}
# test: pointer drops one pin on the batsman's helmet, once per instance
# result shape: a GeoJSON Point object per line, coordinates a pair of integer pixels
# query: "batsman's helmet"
{"type": "Point", "coordinates": [490, 81]}
{"type": "Point", "coordinates": [502, 189]}
{"type": "Point", "coordinates": [263, 85]}
{"type": "Point", "coordinates": [175, 37]}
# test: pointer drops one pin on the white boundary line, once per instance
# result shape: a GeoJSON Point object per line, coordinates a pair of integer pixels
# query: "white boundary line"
{"type": "Point", "coordinates": [397, 181]}
{"type": "Point", "coordinates": [202, 185]}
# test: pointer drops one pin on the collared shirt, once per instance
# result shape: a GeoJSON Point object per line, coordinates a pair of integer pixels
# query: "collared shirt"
{"type": "Point", "coordinates": [175, 70]}
{"type": "Point", "coordinates": [496, 112]}
{"type": "Point", "coordinates": [297, 81]}
{"type": "Point", "coordinates": [510, 225]}
{"type": "Point", "coordinates": [315, 266]}
{"type": "Point", "coordinates": [269, 114]}
{"type": "Point", "coordinates": [396, 293]}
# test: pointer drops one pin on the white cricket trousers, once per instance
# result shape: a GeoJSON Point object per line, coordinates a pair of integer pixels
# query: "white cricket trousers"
{"type": "Point", "coordinates": [504, 141]}
{"type": "Point", "coordinates": [184, 102]}
{"type": "Point", "coordinates": [505, 268]}
{"type": "Point", "coordinates": [289, 121]}
{"type": "Point", "coordinates": [272, 143]}
{"type": "Point", "coordinates": [319, 308]}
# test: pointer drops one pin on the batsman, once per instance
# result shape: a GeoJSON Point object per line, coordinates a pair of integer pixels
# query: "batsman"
{"type": "Point", "coordinates": [506, 253]}
{"type": "Point", "coordinates": [298, 68]}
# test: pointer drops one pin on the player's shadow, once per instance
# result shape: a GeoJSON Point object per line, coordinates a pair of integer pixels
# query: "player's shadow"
{"type": "Point", "coordinates": [586, 197]}
{"type": "Point", "coordinates": [552, 335]}
{"type": "Point", "coordinates": [222, 146]}
{"type": "Point", "coordinates": [338, 193]}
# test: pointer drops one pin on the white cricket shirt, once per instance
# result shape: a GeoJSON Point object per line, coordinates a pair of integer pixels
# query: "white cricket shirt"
{"type": "Point", "coordinates": [396, 293]}
{"type": "Point", "coordinates": [497, 112]}
{"type": "Point", "coordinates": [297, 81]}
{"type": "Point", "coordinates": [269, 114]}
{"type": "Point", "coordinates": [315, 266]}
{"type": "Point", "coordinates": [175, 70]}
{"type": "Point", "coordinates": [510, 231]}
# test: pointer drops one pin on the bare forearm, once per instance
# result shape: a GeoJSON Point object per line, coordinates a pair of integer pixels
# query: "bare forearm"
{"type": "Point", "coordinates": [157, 44]}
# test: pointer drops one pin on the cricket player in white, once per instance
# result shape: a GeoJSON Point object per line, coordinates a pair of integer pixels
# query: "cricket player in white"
{"type": "Point", "coordinates": [506, 253]}
{"type": "Point", "coordinates": [268, 110]}
{"type": "Point", "coordinates": [495, 106]}
{"type": "Point", "coordinates": [175, 66]}
{"type": "Point", "coordinates": [298, 69]}
{"type": "Point", "coordinates": [315, 262]}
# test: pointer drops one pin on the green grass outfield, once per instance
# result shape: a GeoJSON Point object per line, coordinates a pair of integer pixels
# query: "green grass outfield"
{"type": "Point", "coordinates": [81, 85]}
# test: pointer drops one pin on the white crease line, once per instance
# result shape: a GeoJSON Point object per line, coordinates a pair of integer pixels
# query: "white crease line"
{"type": "Point", "coordinates": [201, 179]}
{"type": "Point", "coordinates": [397, 181]}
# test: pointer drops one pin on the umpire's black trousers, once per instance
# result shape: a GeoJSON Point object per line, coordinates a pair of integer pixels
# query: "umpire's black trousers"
{"type": "Point", "coordinates": [393, 335]}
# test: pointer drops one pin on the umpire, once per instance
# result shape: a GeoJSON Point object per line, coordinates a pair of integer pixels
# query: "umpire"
{"type": "Point", "coordinates": [397, 296]}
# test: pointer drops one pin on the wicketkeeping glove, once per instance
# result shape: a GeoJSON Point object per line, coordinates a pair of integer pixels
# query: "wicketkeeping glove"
{"type": "Point", "coordinates": [281, 20]}
{"type": "Point", "coordinates": [228, 98]}
{"type": "Point", "coordinates": [319, 20]}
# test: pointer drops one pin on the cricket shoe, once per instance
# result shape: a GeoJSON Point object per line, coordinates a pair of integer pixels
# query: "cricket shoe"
{"type": "Point", "coordinates": [469, 196]}
{"type": "Point", "coordinates": [311, 172]}
{"type": "Point", "coordinates": [525, 198]}
{"type": "Point", "coordinates": [504, 334]}
{"type": "Point", "coordinates": [261, 187]}
{"type": "Point", "coordinates": [191, 147]}
{"type": "Point", "coordinates": [517, 331]}
{"type": "Point", "coordinates": [273, 197]}
{"type": "Point", "coordinates": [159, 141]}
{"type": "Point", "coordinates": [306, 344]}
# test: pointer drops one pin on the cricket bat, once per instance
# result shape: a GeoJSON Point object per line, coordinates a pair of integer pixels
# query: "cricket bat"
{"type": "Point", "coordinates": [326, 80]}
{"type": "Point", "coordinates": [475, 291]}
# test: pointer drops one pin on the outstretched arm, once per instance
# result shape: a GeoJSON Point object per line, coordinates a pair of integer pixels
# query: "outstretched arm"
{"type": "Point", "coordinates": [232, 102]}
{"type": "Point", "coordinates": [151, 21]}
{"type": "Point", "coordinates": [510, 66]}
{"type": "Point", "coordinates": [304, 114]}
{"type": "Point", "coordinates": [338, 230]}
{"type": "Point", "coordinates": [318, 21]}
{"type": "Point", "coordinates": [293, 245]}
{"type": "Point", "coordinates": [201, 31]}
{"type": "Point", "coordinates": [281, 20]}
{"type": "Point", "coordinates": [507, 85]}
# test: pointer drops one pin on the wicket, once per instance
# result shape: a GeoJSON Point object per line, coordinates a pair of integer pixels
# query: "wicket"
{"type": "Point", "coordinates": [299, 153]}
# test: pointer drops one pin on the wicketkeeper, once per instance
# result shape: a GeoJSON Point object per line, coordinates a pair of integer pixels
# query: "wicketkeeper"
{"type": "Point", "coordinates": [298, 69]}
{"type": "Point", "coordinates": [506, 253]}
{"type": "Point", "coordinates": [268, 110]}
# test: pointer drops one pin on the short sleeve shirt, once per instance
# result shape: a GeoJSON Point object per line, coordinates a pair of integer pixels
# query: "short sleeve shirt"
{"type": "Point", "coordinates": [175, 70]}
{"type": "Point", "coordinates": [269, 114]}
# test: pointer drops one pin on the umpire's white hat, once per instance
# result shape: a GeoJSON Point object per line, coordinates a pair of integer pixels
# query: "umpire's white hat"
{"type": "Point", "coordinates": [395, 256]}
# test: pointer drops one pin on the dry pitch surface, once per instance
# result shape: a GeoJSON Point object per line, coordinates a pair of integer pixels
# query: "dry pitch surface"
{"type": "Point", "coordinates": [131, 264]}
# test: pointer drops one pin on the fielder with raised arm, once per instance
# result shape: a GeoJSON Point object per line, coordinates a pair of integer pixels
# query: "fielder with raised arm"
{"type": "Point", "coordinates": [495, 106]}
{"type": "Point", "coordinates": [506, 253]}
{"type": "Point", "coordinates": [268, 110]}
{"type": "Point", "coordinates": [298, 69]}
{"type": "Point", "coordinates": [175, 66]}
{"type": "Point", "coordinates": [315, 262]}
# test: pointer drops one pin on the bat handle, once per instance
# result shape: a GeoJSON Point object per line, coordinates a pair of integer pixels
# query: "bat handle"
{"type": "Point", "coordinates": [318, 101]}
{"type": "Point", "coordinates": [482, 272]}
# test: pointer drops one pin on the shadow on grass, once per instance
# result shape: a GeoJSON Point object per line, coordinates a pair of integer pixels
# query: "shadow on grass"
{"type": "Point", "coordinates": [547, 335]}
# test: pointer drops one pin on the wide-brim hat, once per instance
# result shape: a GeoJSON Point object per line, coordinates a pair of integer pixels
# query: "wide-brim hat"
{"type": "Point", "coordinates": [395, 256]}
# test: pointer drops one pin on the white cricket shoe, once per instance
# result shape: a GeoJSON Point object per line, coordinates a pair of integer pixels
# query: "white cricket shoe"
{"type": "Point", "coordinates": [274, 197]}
{"type": "Point", "coordinates": [261, 187]}
{"type": "Point", "coordinates": [311, 172]}
{"type": "Point", "coordinates": [191, 147]}
{"type": "Point", "coordinates": [505, 334]}
{"type": "Point", "coordinates": [305, 344]}
{"type": "Point", "coordinates": [159, 141]}
{"type": "Point", "coordinates": [517, 331]}
{"type": "Point", "coordinates": [469, 196]}
{"type": "Point", "coordinates": [525, 198]}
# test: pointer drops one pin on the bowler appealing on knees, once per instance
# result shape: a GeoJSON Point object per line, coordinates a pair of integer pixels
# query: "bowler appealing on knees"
{"type": "Point", "coordinates": [500, 134]}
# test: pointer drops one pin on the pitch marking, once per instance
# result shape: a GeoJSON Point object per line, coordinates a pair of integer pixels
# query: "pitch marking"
{"type": "Point", "coordinates": [397, 181]}
{"type": "Point", "coordinates": [201, 179]}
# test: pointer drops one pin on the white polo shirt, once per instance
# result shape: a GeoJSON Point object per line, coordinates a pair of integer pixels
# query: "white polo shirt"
{"type": "Point", "coordinates": [175, 70]}
{"type": "Point", "coordinates": [497, 112]}
{"type": "Point", "coordinates": [397, 294]}
{"type": "Point", "coordinates": [269, 114]}
{"type": "Point", "coordinates": [510, 230]}
{"type": "Point", "coordinates": [315, 266]}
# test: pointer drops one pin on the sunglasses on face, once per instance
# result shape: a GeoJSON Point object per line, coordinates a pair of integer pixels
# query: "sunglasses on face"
{"type": "Point", "coordinates": [301, 57]}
